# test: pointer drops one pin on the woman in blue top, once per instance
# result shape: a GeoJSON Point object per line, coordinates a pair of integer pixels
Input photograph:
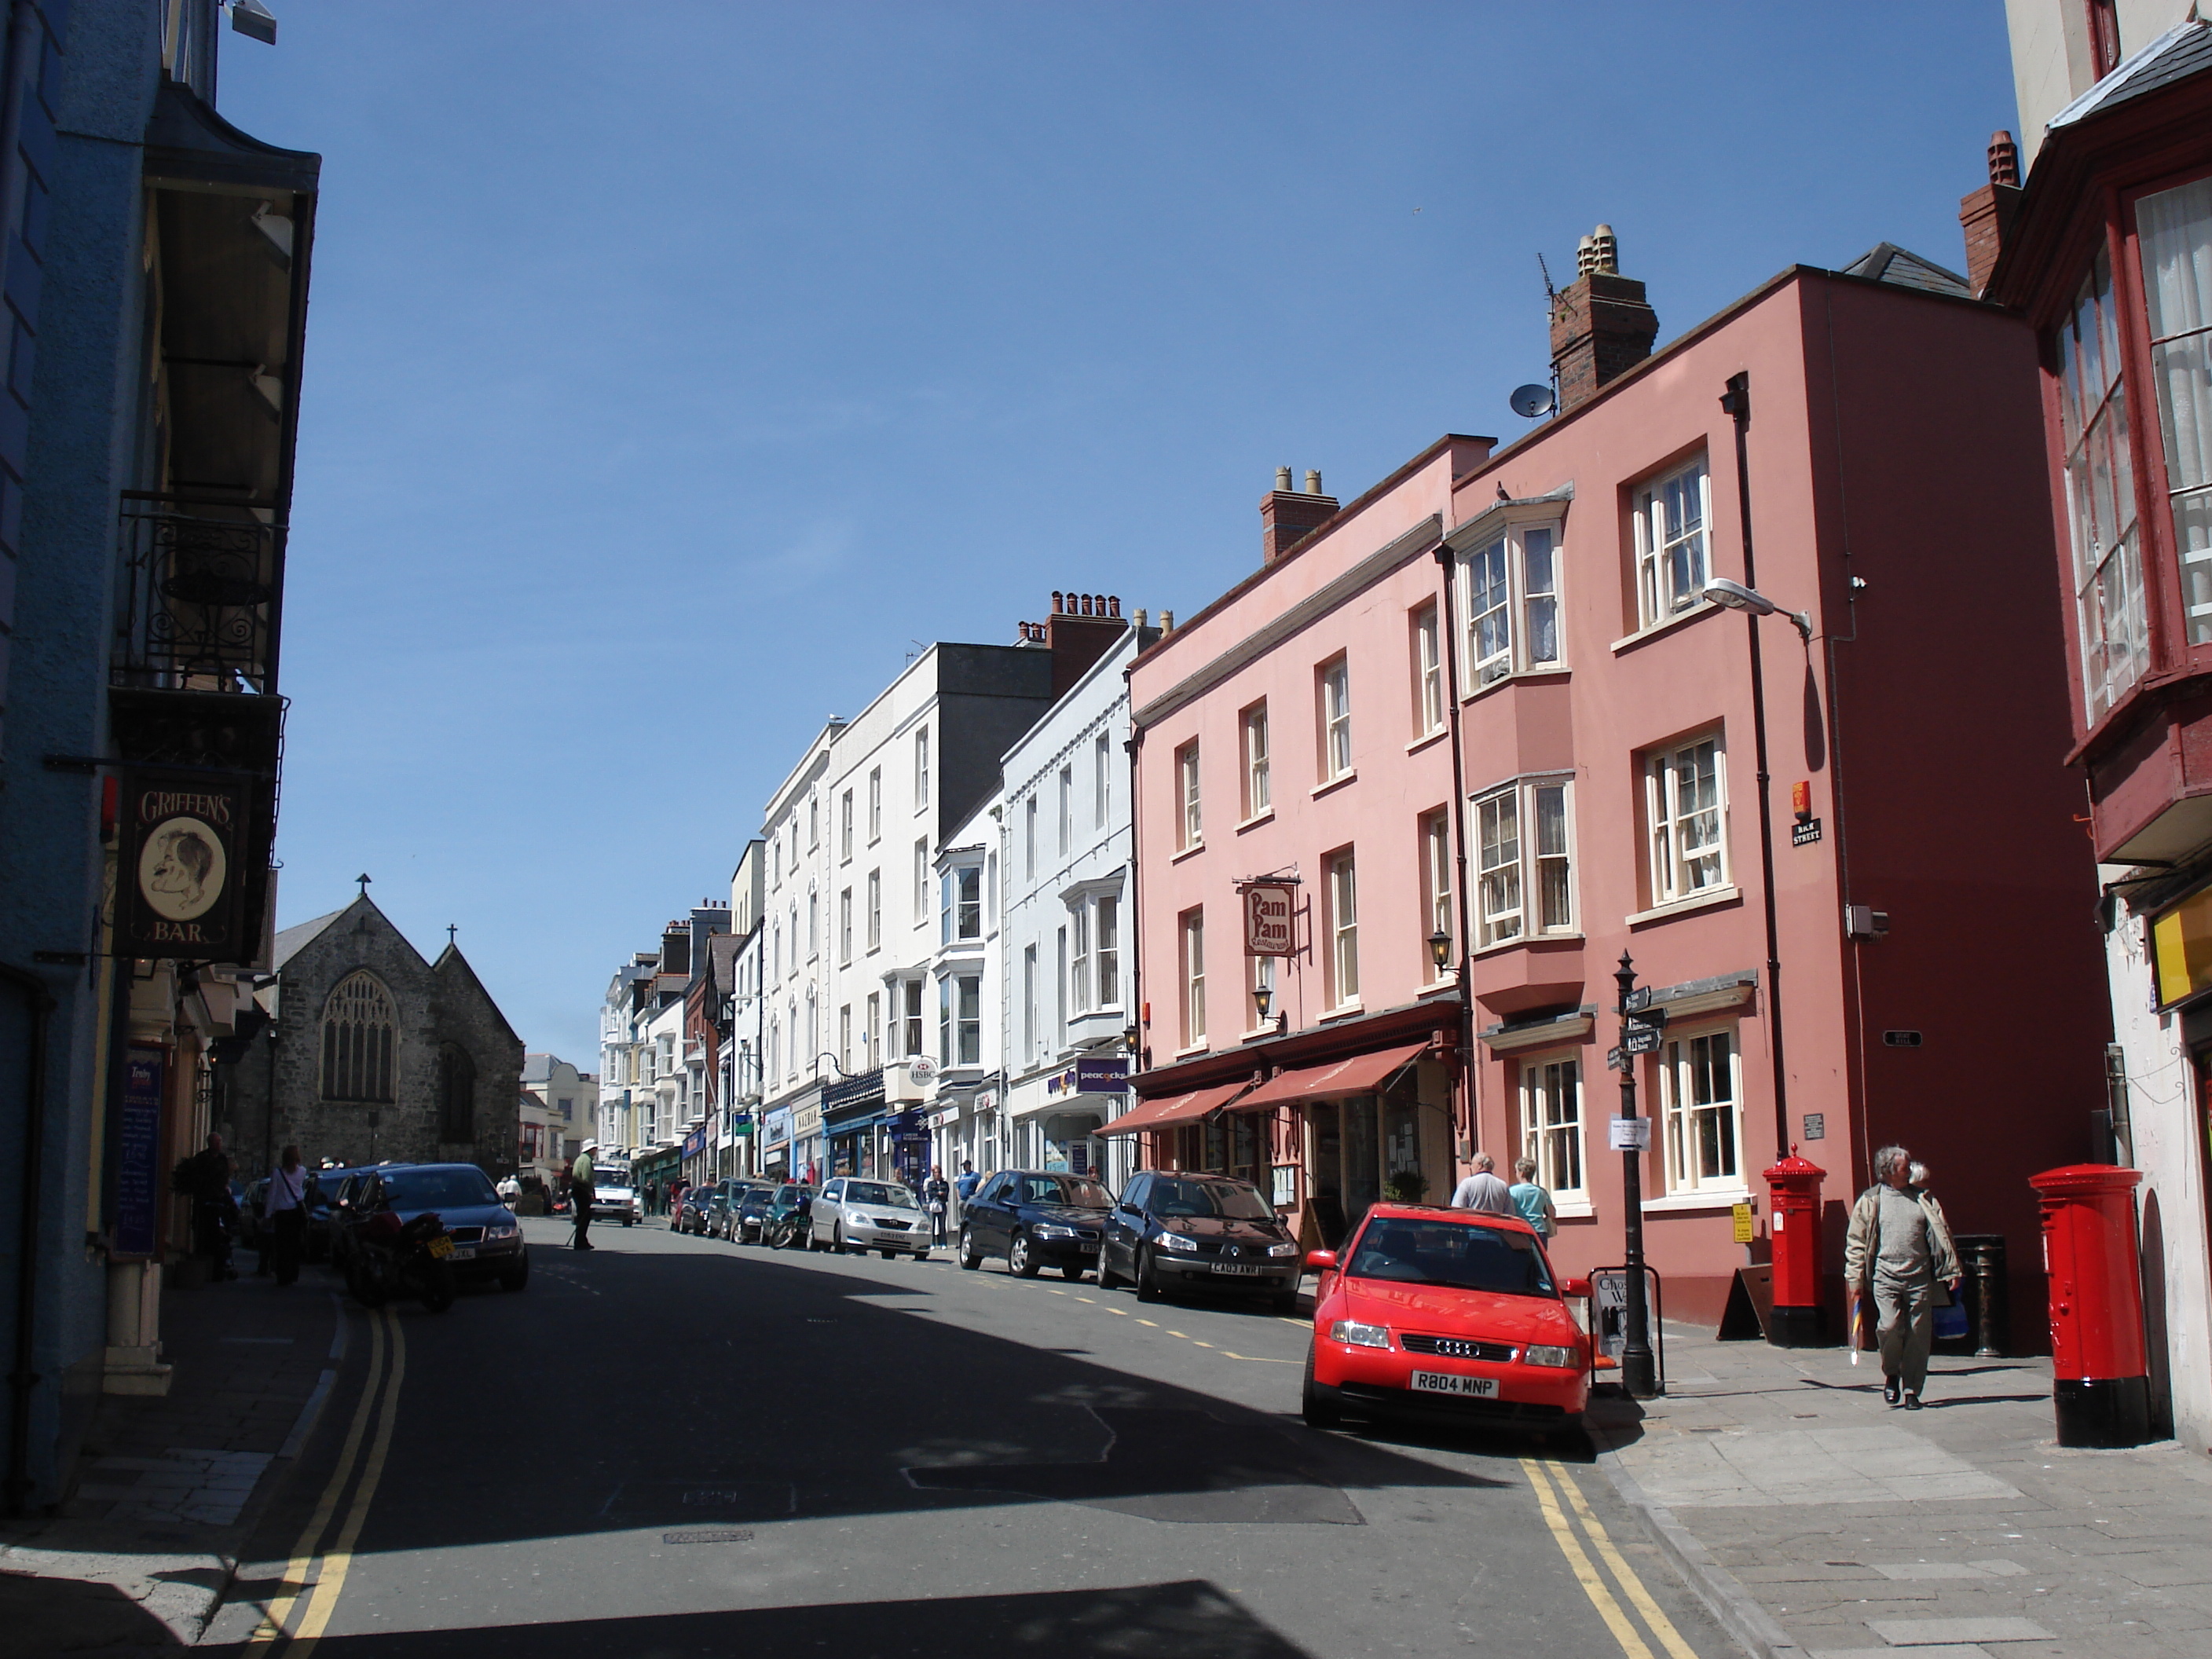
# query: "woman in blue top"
{"type": "Point", "coordinates": [1533, 1202]}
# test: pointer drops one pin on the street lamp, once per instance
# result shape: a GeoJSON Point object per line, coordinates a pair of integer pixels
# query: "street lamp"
{"type": "Point", "coordinates": [1749, 600]}
{"type": "Point", "coordinates": [1440, 944]}
{"type": "Point", "coordinates": [1263, 997]}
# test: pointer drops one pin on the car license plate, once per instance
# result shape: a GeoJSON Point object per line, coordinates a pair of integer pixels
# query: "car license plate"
{"type": "Point", "coordinates": [1482, 1388]}
{"type": "Point", "coordinates": [1088, 1249]}
{"type": "Point", "coordinates": [1241, 1268]}
{"type": "Point", "coordinates": [441, 1249]}
{"type": "Point", "coordinates": [464, 1253]}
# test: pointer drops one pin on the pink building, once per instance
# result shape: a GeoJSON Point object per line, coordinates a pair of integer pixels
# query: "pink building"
{"type": "Point", "coordinates": [1933, 909]}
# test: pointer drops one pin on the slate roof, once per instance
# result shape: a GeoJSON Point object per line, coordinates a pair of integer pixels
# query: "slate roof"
{"type": "Point", "coordinates": [2183, 51]}
{"type": "Point", "coordinates": [293, 940]}
{"type": "Point", "coordinates": [1886, 262]}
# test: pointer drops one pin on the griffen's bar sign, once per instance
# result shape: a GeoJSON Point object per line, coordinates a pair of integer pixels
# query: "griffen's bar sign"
{"type": "Point", "coordinates": [178, 887]}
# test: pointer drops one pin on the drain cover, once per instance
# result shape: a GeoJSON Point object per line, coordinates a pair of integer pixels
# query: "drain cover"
{"type": "Point", "coordinates": [710, 1535]}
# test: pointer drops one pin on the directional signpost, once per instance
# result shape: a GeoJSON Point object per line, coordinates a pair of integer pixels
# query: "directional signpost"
{"type": "Point", "coordinates": [1640, 1028]}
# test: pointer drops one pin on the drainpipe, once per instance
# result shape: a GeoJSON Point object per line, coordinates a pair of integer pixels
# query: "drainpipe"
{"type": "Point", "coordinates": [1135, 931]}
{"type": "Point", "coordinates": [1454, 818]}
{"type": "Point", "coordinates": [1737, 403]}
{"type": "Point", "coordinates": [22, 1379]}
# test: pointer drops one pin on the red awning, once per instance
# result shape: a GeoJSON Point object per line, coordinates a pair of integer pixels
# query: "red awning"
{"type": "Point", "coordinates": [1359, 1075]}
{"type": "Point", "coordinates": [1171, 1110]}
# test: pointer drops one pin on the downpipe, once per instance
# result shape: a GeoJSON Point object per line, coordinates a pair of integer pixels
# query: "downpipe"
{"type": "Point", "coordinates": [22, 1379]}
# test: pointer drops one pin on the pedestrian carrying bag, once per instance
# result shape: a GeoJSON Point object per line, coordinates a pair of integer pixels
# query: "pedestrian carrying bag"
{"type": "Point", "coordinates": [1950, 1320]}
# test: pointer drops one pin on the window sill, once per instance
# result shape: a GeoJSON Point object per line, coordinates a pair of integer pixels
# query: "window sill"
{"type": "Point", "coordinates": [1518, 677]}
{"type": "Point", "coordinates": [1344, 1010]}
{"type": "Point", "coordinates": [1719, 895]}
{"type": "Point", "coordinates": [1256, 820]}
{"type": "Point", "coordinates": [1711, 1199]}
{"type": "Point", "coordinates": [1522, 941]}
{"type": "Point", "coordinates": [1425, 739]}
{"type": "Point", "coordinates": [1629, 642]}
{"type": "Point", "coordinates": [1193, 1052]}
{"type": "Point", "coordinates": [1573, 1209]}
{"type": "Point", "coordinates": [1189, 851]}
{"type": "Point", "coordinates": [1334, 784]}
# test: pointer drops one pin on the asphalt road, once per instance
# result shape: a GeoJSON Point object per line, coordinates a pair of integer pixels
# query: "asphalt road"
{"type": "Point", "coordinates": [674, 1446]}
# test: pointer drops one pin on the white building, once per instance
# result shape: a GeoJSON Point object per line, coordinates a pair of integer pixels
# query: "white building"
{"type": "Point", "coordinates": [1065, 850]}
{"type": "Point", "coordinates": [795, 987]}
{"type": "Point", "coordinates": [559, 1105]}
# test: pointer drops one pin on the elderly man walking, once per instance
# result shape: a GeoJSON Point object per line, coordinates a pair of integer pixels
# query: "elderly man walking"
{"type": "Point", "coordinates": [1483, 1190]}
{"type": "Point", "coordinates": [1897, 1249]}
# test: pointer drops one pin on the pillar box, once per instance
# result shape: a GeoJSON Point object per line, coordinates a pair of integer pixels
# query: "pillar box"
{"type": "Point", "coordinates": [1794, 1231]}
{"type": "Point", "coordinates": [2100, 1383]}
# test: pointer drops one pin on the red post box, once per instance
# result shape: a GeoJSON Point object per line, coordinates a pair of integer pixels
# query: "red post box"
{"type": "Point", "coordinates": [1794, 1231]}
{"type": "Point", "coordinates": [2101, 1384]}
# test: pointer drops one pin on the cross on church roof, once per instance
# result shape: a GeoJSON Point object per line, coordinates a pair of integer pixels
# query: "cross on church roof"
{"type": "Point", "coordinates": [363, 880]}
{"type": "Point", "coordinates": [450, 931]}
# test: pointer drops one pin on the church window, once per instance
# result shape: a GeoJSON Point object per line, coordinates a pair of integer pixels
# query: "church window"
{"type": "Point", "coordinates": [358, 1022]}
{"type": "Point", "coordinates": [456, 1094]}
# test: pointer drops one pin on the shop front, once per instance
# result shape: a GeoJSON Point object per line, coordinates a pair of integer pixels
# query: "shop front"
{"type": "Point", "coordinates": [776, 1144]}
{"type": "Point", "coordinates": [658, 1164]}
{"type": "Point", "coordinates": [854, 1121]}
{"type": "Point", "coordinates": [806, 1143]}
{"type": "Point", "coordinates": [698, 1162]}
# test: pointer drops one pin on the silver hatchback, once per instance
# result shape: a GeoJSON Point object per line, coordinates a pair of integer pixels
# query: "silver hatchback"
{"type": "Point", "coordinates": [851, 1213]}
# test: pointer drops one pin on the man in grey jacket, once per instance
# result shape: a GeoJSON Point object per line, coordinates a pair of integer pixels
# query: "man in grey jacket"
{"type": "Point", "coordinates": [1898, 1247]}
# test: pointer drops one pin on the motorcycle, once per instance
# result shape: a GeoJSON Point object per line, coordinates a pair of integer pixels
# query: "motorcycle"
{"type": "Point", "coordinates": [792, 1226]}
{"type": "Point", "coordinates": [394, 1258]}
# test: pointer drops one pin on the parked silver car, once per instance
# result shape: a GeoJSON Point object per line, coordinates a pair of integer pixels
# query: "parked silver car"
{"type": "Point", "coordinates": [850, 1213]}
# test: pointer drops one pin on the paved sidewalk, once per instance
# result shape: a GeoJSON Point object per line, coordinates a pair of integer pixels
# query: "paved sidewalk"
{"type": "Point", "coordinates": [1819, 1522]}
{"type": "Point", "coordinates": [140, 1553]}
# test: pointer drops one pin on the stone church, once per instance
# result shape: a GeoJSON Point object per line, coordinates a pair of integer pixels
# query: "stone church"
{"type": "Point", "coordinates": [373, 1054]}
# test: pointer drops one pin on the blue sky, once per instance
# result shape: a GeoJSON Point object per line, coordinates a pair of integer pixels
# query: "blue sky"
{"type": "Point", "coordinates": [673, 369]}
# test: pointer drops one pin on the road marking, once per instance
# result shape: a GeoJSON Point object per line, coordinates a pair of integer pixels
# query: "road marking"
{"type": "Point", "coordinates": [271, 1631]}
{"type": "Point", "coordinates": [1202, 1345]}
{"type": "Point", "coordinates": [1147, 1321]}
{"type": "Point", "coordinates": [1655, 1619]}
{"type": "Point", "coordinates": [1578, 1563]}
{"type": "Point", "coordinates": [1119, 1313]}
{"type": "Point", "coordinates": [1090, 1299]}
{"type": "Point", "coordinates": [340, 1561]}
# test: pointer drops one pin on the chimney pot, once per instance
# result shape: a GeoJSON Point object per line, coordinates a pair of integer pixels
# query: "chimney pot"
{"type": "Point", "coordinates": [1313, 482]}
{"type": "Point", "coordinates": [1167, 622]}
{"type": "Point", "coordinates": [1056, 602]}
{"type": "Point", "coordinates": [1114, 605]}
{"type": "Point", "coordinates": [1283, 479]}
{"type": "Point", "coordinates": [2004, 159]}
{"type": "Point", "coordinates": [1144, 618]}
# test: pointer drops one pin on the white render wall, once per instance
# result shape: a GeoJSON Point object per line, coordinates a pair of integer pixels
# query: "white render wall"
{"type": "Point", "coordinates": [1038, 899]}
{"type": "Point", "coordinates": [796, 982]}
{"type": "Point", "coordinates": [2162, 1112]}
{"type": "Point", "coordinates": [2050, 62]}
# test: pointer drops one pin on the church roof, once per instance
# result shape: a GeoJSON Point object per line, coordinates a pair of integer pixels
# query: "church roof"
{"type": "Point", "coordinates": [450, 960]}
{"type": "Point", "coordinates": [292, 941]}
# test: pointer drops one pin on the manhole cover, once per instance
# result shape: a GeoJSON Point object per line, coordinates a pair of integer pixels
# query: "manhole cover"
{"type": "Point", "coordinates": [710, 1535]}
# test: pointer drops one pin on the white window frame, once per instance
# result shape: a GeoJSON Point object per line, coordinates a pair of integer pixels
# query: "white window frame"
{"type": "Point", "coordinates": [845, 827]}
{"type": "Point", "coordinates": [1191, 927]}
{"type": "Point", "coordinates": [1333, 688]}
{"type": "Point", "coordinates": [1673, 557]}
{"type": "Point", "coordinates": [1191, 815]}
{"type": "Point", "coordinates": [2103, 524]}
{"type": "Point", "coordinates": [875, 804]}
{"type": "Point", "coordinates": [1078, 924]}
{"type": "Point", "coordinates": [920, 769]}
{"type": "Point", "coordinates": [1511, 582]}
{"type": "Point", "coordinates": [1029, 838]}
{"type": "Point", "coordinates": [911, 1032]}
{"type": "Point", "coordinates": [1252, 737]}
{"type": "Point", "coordinates": [1102, 767]}
{"type": "Point", "coordinates": [1437, 885]}
{"type": "Point", "coordinates": [873, 1035]}
{"type": "Point", "coordinates": [1066, 809]}
{"type": "Point", "coordinates": [1684, 1074]}
{"type": "Point", "coordinates": [1551, 1136]}
{"type": "Point", "coordinates": [875, 910]}
{"type": "Point", "coordinates": [2174, 230]}
{"type": "Point", "coordinates": [1106, 949]}
{"type": "Point", "coordinates": [845, 927]}
{"type": "Point", "coordinates": [1030, 1002]}
{"type": "Point", "coordinates": [1677, 875]}
{"type": "Point", "coordinates": [1428, 670]}
{"type": "Point", "coordinates": [1526, 889]}
{"type": "Point", "coordinates": [921, 881]}
{"type": "Point", "coordinates": [1343, 929]}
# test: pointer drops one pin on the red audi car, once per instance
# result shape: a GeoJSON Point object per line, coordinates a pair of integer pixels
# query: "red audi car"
{"type": "Point", "coordinates": [1446, 1315]}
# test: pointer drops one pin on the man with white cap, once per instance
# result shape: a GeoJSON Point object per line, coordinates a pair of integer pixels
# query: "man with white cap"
{"type": "Point", "coordinates": [579, 1195]}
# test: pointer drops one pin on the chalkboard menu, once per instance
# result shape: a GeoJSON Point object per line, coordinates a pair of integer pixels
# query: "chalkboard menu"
{"type": "Point", "coordinates": [139, 1154]}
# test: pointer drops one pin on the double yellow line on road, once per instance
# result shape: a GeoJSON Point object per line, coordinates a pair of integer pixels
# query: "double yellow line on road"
{"type": "Point", "coordinates": [315, 1576]}
{"type": "Point", "coordinates": [1541, 1475]}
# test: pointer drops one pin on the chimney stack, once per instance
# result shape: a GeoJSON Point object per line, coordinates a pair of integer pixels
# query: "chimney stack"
{"type": "Point", "coordinates": [1081, 628]}
{"type": "Point", "coordinates": [1987, 216]}
{"type": "Point", "coordinates": [1287, 517]}
{"type": "Point", "coordinates": [1600, 326]}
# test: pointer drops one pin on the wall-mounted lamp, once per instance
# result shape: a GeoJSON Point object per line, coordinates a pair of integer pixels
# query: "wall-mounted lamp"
{"type": "Point", "coordinates": [1737, 597]}
{"type": "Point", "coordinates": [1263, 997]}
{"type": "Point", "coordinates": [1440, 943]}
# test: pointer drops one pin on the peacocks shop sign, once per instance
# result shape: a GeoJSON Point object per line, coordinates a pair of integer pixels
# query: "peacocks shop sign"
{"type": "Point", "coordinates": [179, 886]}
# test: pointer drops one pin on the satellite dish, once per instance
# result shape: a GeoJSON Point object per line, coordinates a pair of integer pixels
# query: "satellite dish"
{"type": "Point", "coordinates": [1530, 401]}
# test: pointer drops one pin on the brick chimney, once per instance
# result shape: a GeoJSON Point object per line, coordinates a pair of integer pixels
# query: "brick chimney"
{"type": "Point", "coordinates": [1600, 326]}
{"type": "Point", "coordinates": [1082, 627]}
{"type": "Point", "coordinates": [1987, 216]}
{"type": "Point", "coordinates": [1288, 516]}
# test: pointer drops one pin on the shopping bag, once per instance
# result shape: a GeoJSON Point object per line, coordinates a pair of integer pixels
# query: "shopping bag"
{"type": "Point", "coordinates": [1951, 1322]}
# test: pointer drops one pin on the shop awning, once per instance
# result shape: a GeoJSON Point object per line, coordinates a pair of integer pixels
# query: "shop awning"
{"type": "Point", "coordinates": [1359, 1075]}
{"type": "Point", "coordinates": [1169, 1110]}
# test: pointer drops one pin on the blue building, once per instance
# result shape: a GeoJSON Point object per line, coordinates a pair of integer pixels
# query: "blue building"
{"type": "Point", "coordinates": [153, 270]}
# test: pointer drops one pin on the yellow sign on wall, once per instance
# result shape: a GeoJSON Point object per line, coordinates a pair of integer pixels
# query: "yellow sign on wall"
{"type": "Point", "coordinates": [2181, 949]}
{"type": "Point", "coordinates": [1743, 1229]}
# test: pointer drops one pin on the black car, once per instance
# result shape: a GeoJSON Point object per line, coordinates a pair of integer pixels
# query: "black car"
{"type": "Point", "coordinates": [487, 1238]}
{"type": "Point", "coordinates": [749, 1214]}
{"type": "Point", "coordinates": [691, 1208]}
{"type": "Point", "coordinates": [323, 1190]}
{"type": "Point", "coordinates": [1036, 1218]}
{"type": "Point", "coordinates": [1189, 1231]}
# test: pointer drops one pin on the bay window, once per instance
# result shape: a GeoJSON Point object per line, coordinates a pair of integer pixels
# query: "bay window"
{"type": "Point", "coordinates": [1524, 861]}
{"type": "Point", "coordinates": [2175, 231]}
{"type": "Point", "coordinates": [2100, 497]}
{"type": "Point", "coordinates": [1513, 602]}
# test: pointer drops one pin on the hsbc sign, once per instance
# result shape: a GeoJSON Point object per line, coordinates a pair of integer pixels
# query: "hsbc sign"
{"type": "Point", "coordinates": [1271, 910]}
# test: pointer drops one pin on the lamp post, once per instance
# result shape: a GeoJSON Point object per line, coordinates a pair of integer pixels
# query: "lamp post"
{"type": "Point", "coordinates": [1639, 1371]}
{"type": "Point", "coordinates": [1738, 596]}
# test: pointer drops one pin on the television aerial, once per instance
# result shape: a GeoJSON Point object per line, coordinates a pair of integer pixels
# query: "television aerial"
{"type": "Point", "coordinates": [1532, 400]}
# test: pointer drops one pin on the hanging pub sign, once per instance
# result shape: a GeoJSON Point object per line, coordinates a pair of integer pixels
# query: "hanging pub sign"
{"type": "Point", "coordinates": [1270, 919]}
{"type": "Point", "coordinates": [179, 886]}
